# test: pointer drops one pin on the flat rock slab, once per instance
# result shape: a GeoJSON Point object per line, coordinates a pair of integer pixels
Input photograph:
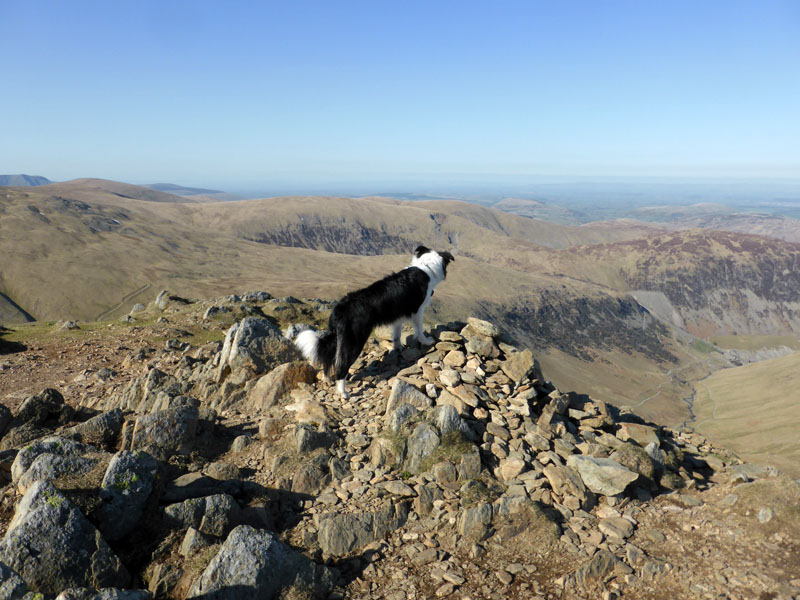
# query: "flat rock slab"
{"type": "Point", "coordinates": [343, 533]}
{"type": "Point", "coordinates": [602, 475]}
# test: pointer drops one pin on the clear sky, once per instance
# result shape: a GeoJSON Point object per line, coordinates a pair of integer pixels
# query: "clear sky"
{"type": "Point", "coordinates": [233, 94]}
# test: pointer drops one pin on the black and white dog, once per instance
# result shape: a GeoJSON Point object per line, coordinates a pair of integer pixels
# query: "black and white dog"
{"type": "Point", "coordinates": [396, 298]}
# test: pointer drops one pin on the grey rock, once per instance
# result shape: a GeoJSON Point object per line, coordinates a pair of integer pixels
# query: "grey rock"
{"type": "Point", "coordinates": [141, 394]}
{"type": "Point", "coordinates": [53, 445]}
{"type": "Point", "coordinates": [446, 419]}
{"type": "Point", "coordinates": [273, 387]}
{"type": "Point", "coordinates": [308, 438]}
{"type": "Point", "coordinates": [312, 476]}
{"type": "Point", "coordinates": [765, 514]}
{"type": "Point", "coordinates": [167, 432]}
{"type": "Point", "coordinates": [602, 475]}
{"type": "Point", "coordinates": [616, 527]}
{"type": "Point", "coordinates": [126, 487]}
{"type": "Point", "coordinates": [11, 585]}
{"type": "Point", "coordinates": [405, 393]}
{"type": "Point", "coordinates": [54, 547]}
{"type": "Point", "coordinates": [450, 377]}
{"type": "Point", "coordinates": [102, 429]}
{"type": "Point", "coordinates": [340, 534]}
{"type": "Point", "coordinates": [474, 522]}
{"type": "Point", "coordinates": [193, 541]}
{"type": "Point", "coordinates": [400, 416]}
{"type": "Point", "coordinates": [254, 564]}
{"type": "Point", "coordinates": [519, 365]}
{"type": "Point", "coordinates": [47, 467]}
{"type": "Point", "coordinates": [479, 327]}
{"type": "Point", "coordinates": [482, 345]}
{"type": "Point", "coordinates": [601, 565]}
{"type": "Point", "coordinates": [256, 345]}
{"type": "Point", "coordinates": [422, 442]}
{"type": "Point", "coordinates": [212, 515]}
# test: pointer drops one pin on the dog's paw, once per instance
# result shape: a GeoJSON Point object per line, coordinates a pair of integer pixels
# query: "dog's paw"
{"type": "Point", "coordinates": [424, 339]}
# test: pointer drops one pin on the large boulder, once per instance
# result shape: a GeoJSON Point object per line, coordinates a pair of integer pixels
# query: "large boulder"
{"type": "Point", "coordinates": [127, 484]}
{"type": "Point", "coordinates": [255, 346]}
{"type": "Point", "coordinates": [54, 446]}
{"type": "Point", "coordinates": [54, 547]}
{"type": "Point", "coordinates": [167, 432]}
{"type": "Point", "coordinates": [254, 564]}
{"type": "Point", "coordinates": [273, 386]}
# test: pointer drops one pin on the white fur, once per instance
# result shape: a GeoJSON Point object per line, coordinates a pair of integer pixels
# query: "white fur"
{"type": "Point", "coordinates": [433, 265]}
{"type": "Point", "coordinates": [307, 342]}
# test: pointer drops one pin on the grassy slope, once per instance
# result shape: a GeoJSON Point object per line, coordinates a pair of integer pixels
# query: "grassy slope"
{"type": "Point", "coordinates": [753, 409]}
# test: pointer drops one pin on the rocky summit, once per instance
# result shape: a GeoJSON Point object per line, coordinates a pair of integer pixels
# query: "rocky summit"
{"type": "Point", "coordinates": [199, 457]}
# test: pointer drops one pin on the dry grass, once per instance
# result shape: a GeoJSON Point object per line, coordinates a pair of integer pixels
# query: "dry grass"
{"type": "Point", "coordinates": [752, 410]}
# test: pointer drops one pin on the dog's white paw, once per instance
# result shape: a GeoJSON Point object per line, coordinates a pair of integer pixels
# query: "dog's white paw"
{"type": "Point", "coordinates": [424, 339]}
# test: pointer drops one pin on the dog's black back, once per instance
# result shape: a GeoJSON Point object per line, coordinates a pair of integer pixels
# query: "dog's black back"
{"type": "Point", "coordinates": [396, 296]}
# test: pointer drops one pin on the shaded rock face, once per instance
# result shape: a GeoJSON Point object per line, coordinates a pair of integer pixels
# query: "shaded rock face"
{"type": "Point", "coordinates": [254, 565]}
{"type": "Point", "coordinates": [54, 547]}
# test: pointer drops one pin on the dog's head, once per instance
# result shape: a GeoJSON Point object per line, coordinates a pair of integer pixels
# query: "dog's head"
{"type": "Point", "coordinates": [432, 259]}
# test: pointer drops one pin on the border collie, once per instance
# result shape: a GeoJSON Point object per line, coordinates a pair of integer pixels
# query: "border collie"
{"type": "Point", "coordinates": [396, 298]}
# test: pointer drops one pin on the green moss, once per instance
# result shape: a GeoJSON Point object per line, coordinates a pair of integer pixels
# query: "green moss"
{"type": "Point", "coordinates": [123, 482]}
{"type": "Point", "coordinates": [54, 499]}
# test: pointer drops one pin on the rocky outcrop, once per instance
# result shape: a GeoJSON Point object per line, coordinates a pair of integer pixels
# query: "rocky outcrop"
{"type": "Point", "coordinates": [452, 470]}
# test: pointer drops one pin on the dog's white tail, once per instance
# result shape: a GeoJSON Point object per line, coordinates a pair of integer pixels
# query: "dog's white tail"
{"type": "Point", "coordinates": [307, 342]}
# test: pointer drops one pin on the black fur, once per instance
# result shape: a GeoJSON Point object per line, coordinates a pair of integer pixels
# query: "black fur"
{"type": "Point", "coordinates": [353, 318]}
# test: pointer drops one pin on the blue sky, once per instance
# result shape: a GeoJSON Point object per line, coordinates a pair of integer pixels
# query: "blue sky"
{"type": "Point", "coordinates": [236, 94]}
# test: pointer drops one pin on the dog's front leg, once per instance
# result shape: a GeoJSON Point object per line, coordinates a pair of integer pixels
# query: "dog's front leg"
{"type": "Point", "coordinates": [418, 331]}
{"type": "Point", "coordinates": [340, 387]}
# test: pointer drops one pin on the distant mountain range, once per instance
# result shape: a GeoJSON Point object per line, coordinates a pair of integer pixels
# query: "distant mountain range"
{"type": "Point", "coordinates": [23, 180]}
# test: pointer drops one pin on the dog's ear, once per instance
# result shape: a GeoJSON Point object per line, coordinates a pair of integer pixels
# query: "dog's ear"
{"type": "Point", "coordinates": [448, 258]}
{"type": "Point", "coordinates": [420, 250]}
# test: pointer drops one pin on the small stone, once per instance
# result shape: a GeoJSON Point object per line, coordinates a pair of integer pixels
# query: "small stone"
{"type": "Point", "coordinates": [454, 578]}
{"type": "Point", "coordinates": [455, 358]}
{"type": "Point", "coordinates": [398, 488]}
{"type": "Point", "coordinates": [765, 515]}
{"type": "Point", "coordinates": [504, 576]}
{"type": "Point", "coordinates": [445, 590]}
{"type": "Point", "coordinates": [450, 377]}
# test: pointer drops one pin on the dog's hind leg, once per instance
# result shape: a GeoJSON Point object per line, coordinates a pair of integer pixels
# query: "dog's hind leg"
{"type": "Point", "coordinates": [340, 387]}
{"type": "Point", "coordinates": [397, 328]}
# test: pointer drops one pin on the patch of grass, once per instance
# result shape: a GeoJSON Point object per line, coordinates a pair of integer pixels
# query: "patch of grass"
{"type": "Point", "coordinates": [452, 447]}
{"type": "Point", "coordinates": [704, 347]}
